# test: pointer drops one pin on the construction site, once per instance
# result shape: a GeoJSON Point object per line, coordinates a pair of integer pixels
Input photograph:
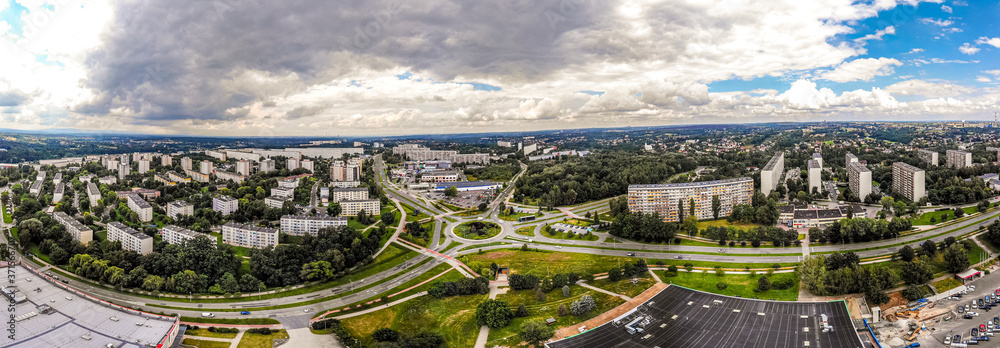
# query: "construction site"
{"type": "Point", "coordinates": [900, 322]}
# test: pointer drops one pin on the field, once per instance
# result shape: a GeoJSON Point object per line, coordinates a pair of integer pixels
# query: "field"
{"type": "Point", "coordinates": [204, 344]}
{"type": "Point", "coordinates": [250, 321]}
{"type": "Point", "coordinates": [514, 217]}
{"type": "Point", "coordinates": [925, 218]}
{"type": "Point", "coordinates": [625, 286]}
{"type": "Point", "coordinates": [721, 222]}
{"type": "Point", "coordinates": [454, 318]}
{"type": "Point", "coordinates": [946, 284]}
{"type": "Point", "coordinates": [206, 333]}
{"type": "Point", "coordinates": [741, 285]}
{"type": "Point", "coordinates": [544, 262]}
{"type": "Point", "coordinates": [7, 218]}
{"type": "Point", "coordinates": [526, 231]}
{"type": "Point", "coordinates": [539, 311]}
{"type": "Point", "coordinates": [491, 229]}
{"type": "Point", "coordinates": [253, 340]}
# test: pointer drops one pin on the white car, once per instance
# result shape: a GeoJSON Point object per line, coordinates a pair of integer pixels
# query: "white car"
{"type": "Point", "coordinates": [975, 314]}
{"type": "Point", "coordinates": [207, 315]}
{"type": "Point", "coordinates": [947, 340]}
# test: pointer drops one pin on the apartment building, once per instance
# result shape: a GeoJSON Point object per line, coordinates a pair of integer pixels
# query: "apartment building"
{"type": "Point", "coordinates": [859, 180]}
{"type": "Point", "coordinates": [166, 161]}
{"type": "Point", "coordinates": [225, 176]}
{"type": "Point", "coordinates": [225, 204]}
{"type": "Point", "coordinates": [36, 187]}
{"type": "Point", "coordinates": [243, 167]}
{"type": "Point", "coordinates": [283, 192]}
{"type": "Point", "coordinates": [908, 181]}
{"type": "Point", "coordinates": [818, 158]}
{"type": "Point", "coordinates": [178, 208]}
{"type": "Point", "coordinates": [197, 176]}
{"type": "Point", "coordinates": [164, 179]}
{"type": "Point", "coordinates": [140, 207]}
{"type": "Point", "coordinates": [416, 152]}
{"type": "Point", "coordinates": [770, 176]}
{"type": "Point", "coordinates": [300, 225]}
{"type": "Point", "coordinates": [276, 202]}
{"type": "Point", "coordinates": [178, 178]}
{"type": "Point", "coordinates": [815, 176]}
{"type": "Point", "coordinates": [56, 179]}
{"type": "Point", "coordinates": [108, 180]}
{"type": "Point", "coordinates": [176, 235]}
{"type": "Point", "coordinates": [267, 166]}
{"type": "Point", "coordinates": [187, 163]}
{"type": "Point", "coordinates": [291, 183]}
{"type": "Point", "coordinates": [206, 167]}
{"type": "Point", "coordinates": [958, 159]}
{"type": "Point", "coordinates": [143, 165]}
{"type": "Point", "coordinates": [349, 194]}
{"type": "Point", "coordinates": [216, 154]}
{"type": "Point", "coordinates": [249, 236]}
{"type": "Point", "coordinates": [663, 198]}
{"type": "Point", "coordinates": [292, 163]}
{"type": "Point", "coordinates": [344, 171]}
{"type": "Point", "coordinates": [307, 164]}
{"type": "Point", "coordinates": [130, 238]}
{"type": "Point", "coordinates": [80, 232]}
{"type": "Point", "coordinates": [93, 193]}
{"type": "Point", "coordinates": [57, 195]}
{"type": "Point", "coordinates": [123, 170]}
{"type": "Point", "coordinates": [345, 184]}
{"type": "Point", "coordinates": [145, 193]}
{"type": "Point", "coordinates": [370, 206]}
{"type": "Point", "coordinates": [850, 158]}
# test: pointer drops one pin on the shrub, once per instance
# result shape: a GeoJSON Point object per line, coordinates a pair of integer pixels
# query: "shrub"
{"type": "Point", "coordinates": [743, 244]}
{"type": "Point", "coordinates": [763, 284]}
{"type": "Point", "coordinates": [385, 335]}
{"type": "Point", "coordinates": [521, 312]}
{"type": "Point", "coordinates": [721, 286]}
{"type": "Point", "coordinates": [783, 284]}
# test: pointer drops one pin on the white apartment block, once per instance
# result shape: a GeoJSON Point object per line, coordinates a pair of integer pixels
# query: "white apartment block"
{"type": "Point", "coordinates": [225, 204]}
{"type": "Point", "coordinates": [93, 194]}
{"type": "Point", "coordinates": [349, 194]}
{"type": "Point", "coordinates": [108, 180]}
{"type": "Point", "coordinates": [78, 231]}
{"type": "Point", "coordinates": [36, 187]}
{"type": "Point", "coordinates": [243, 155]}
{"type": "Point", "coordinates": [217, 154]}
{"type": "Point", "coordinates": [243, 167]}
{"type": "Point", "coordinates": [663, 198]}
{"type": "Point", "coordinates": [292, 164]}
{"type": "Point", "coordinates": [166, 161]}
{"type": "Point", "coordinates": [206, 167]}
{"type": "Point", "coordinates": [345, 184]}
{"type": "Point", "coordinates": [818, 158]}
{"type": "Point", "coordinates": [267, 166]}
{"type": "Point", "coordinates": [416, 152]}
{"type": "Point", "coordinates": [299, 225]}
{"type": "Point", "coordinates": [123, 170]}
{"type": "Point", "coordinates": [276, 202]}
{"type": "Point", "coordinates": [140, 207]}
{"type": "Point", "coordinates": [307, 164]}
{"type": "Point", "coordinates": [130, 238]}
{"type": "Point", "coordinates": [283, 192]}
{"type": "Point", "coordinates": [56, 179]}
{"type": "Point", "coordinates": [41, 175]}
{"type": "Point", "coordinates": [958, 159]}
{"type": "Point", "coordinates": [815, 176]}
{"type": "Point", "coordinates": [288, 183]}
{"type": "Point", "coordinates": [370, 206]}
{"type": "Point", "coordinates": [187, 163]}
{"type": "Point", "coordinates": [770, 176]}
{"type": "Point", "coordinates": [176, 234]}
{"type": "Point", "coordinates": [850, 158]}
{"type": "Point", "coordinates": [178, 208]}
{"type": "Point", "coordinates": [859, 180]}
{"type": "Point", "coordinates": [249, 236]}
{"type": "Point", "coordinates": [224, 176]}
{"type": "Point", "coordinates": [143, 165]}
{"type": "Point", "coordinates": [908, 181]}
{"type": "Point", "coordinates": [60, 190]}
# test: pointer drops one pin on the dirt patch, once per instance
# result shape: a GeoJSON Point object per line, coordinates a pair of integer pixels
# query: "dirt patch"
{"type": "Point", "coordinates": [895, 299]}
{"type": "Point", "coordinates": [496, 255]}
{"type": "Point", "coordinates": [612, 314]}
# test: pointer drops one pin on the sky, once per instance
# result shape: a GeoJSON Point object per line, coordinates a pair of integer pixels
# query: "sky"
{"type": "Point", "coordinates": [389, 67]}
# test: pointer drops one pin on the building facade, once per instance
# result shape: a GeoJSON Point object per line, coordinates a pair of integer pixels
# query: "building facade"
{"type": "Point", "coordinates": [859, 180]}
{"type": "Point", "coordinates": [958, 159]}
{"type": "Point", "coordinates": [908, 181]}
{"type": "Point", "coordinates": [344, 171]}
{"type": "Point", "coordinates": [176, 234]}
{"type": "Point", "coordinates": [663, 198]}
{"type": "Point", "coordinates": [206, 167]}
{"type": "Point", "coordinates": [370, 206]}
{"type": "Point", "coordinates": [770, 176]}
{"type": "Point", "coordinates": [349, 194]}
{"type": "Point", "coordinates": [818, 158]}
{"type": "Point", "coordinates": [815, 171]}
{"type": "Point", "coordinates": [225, 204]}
{"type": "Point", "coordinates": [178, 208]}
{"type": "Point", "coordinates": [93, 193]}
{"type": "Point", "coordinates": [300, 225]}
{"type": "Point", "coordinates": [267, 166]}
{"type": "Point", "coordinates": [80, 232]}
{"type": "Point", "coordinates": [249, 236]}
{"type": "Point", "coordinates": [140, 207]}
{"type": "Point", "coordinates": [130, 238]}
{"type": "Point", "coordinates": [187, 163]}
{"type": "Point", "coordinates": [243, 167]}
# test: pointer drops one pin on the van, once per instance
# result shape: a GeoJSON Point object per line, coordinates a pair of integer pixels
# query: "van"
{"type": "Point", "coordinates": [207, 315]}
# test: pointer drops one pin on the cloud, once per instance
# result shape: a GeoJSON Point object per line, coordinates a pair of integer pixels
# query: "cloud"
{"type": "Point", "coordinates": [877, 35]}
{"type": "Point", "coordinates": [14, 98]}
{"type": "Point", "coordinates": [937, 22]}
{"type": "Point", "coordinates": [992, 41]}
{"type": "Point", "coordinates": [946, 8]}
{"type": "Point", "coordinates": [968, 49]}
{"type": "Point", "coordinates": [915, 50]}
{"type": "Point", "coordinates": [928, 89]}
{"type": "Point", "coordinates": [862, 69]}
{"type": "Point", "coordinates": [983, 79]}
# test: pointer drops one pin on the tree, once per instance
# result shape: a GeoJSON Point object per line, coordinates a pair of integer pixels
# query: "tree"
{"type": "Point", "coordinates": [493, 313]}
{"type": "Point", "coordinates": [615, 274]}
{"type": "Point", "coordinates": [535, 331]}
{"type": "Point", "coordinates": [318, 270]}
{"type": "Point", "coordinates": [562, 310]}
{"type": "Point", "coordinates": [582, 306]}
{"type": "Point", "coordinates": [451, 191]}
{"type": "Point", "coordinates": [763, 284]}
{"type": "Point", "coordinates": [483, 206]}
{"type": "Point", "coordinates": [956, 258]}
{"type": "Point", "coordinates": [875, 295]}
{"type": "Point", "coordinates": [983, 205]}
{"type": "Point", "coordinates": [929, 248]}
{"type": "Point", "coordinates": [887, 203]}
{"type": "Point", "coordinates": [916, 272]}
{"type": "Point", "coordinates": [388, 218]}
{"type": "Point", "coordinates": [249, 283]}
{"type": "Point", "coordinates": [385, 335]}
{"type": "Point", "coordinates": [802, 196]}
{"type": "Point", "coordinates": [959, 212]}
{"type": "Point", "coordinates": [691, 206]}
{"type": "Point", "coordinates": [716, 206]}
{"type": "Point", "coordinates": [334, 209]}
{"type": "Point", "coordinates": [229, 283]}
{"type": "Point", "coordinates": [680, 210]}
{"type": "Point", "coordinates": [152, 283]}
{"type": "Point", "coordinates": [906, 253]}
{"type": "Point", "coordinates": [899, 208]}
{"type": "Point", "coordinates": [521, 312]}
{"type": "Point", "coordinates": [913, 293]}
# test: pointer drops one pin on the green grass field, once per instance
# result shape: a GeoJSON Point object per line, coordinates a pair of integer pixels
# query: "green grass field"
{"type": "Point", "coordinates": [7, 218]}
{"type": "Point", "coordinates": [491, 228]}
{"type": "Point", "coordinates": [206, 333]}
{"type": "Point", "coordinates": [539, 311]}
{"type": "Point", "coordinates": [454, 318]}
{"type": "Point", "coordinates": [526, 231]}
{"type": "Point", "coordinates": [565, 235]}
{"type": "Point", "coordinates": [254, 340]}
{"type": "Point", "coordinates": [741, 285]}
{"type": "Point", "coordinates": [544, 262]}
{"type": "Point", "coordinates": [625, 286]}
{"type": "Point", "coordinates": [515, 216]}
{"type": "Point", "coordinates": [721, 222]}
{"type": "Point", "coordinates": [190, 342]}
{"type": "Point", "coordinates": [925, 218]}
{"type": "Point", "coordinates": [250, 321]}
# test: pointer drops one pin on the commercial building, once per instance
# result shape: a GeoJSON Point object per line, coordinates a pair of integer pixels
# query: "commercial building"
{"type": "Point", "coordinates": [143, 165]}
{"type": "Point", "coordinates": [178, 208]}
{"type": "Point", "coordinates": [224, 176]}
{"type": "Point", "coordinates": [123, 171]}
{"type": "Point", "coordinates": [663, 198]}
{"type": "Point", "coordinates": [140, 207]}
{"type": "Point", "coordinates": [225, 204]}
{"type": "Point", "coordinates": [440, 176]}
{"type": "Point", "coordinates": [815, 176]}
{"type": "Point", "coordinates": [908, 181]}
{"type": "Point", "coordinates": [299, 225]}
{"type": "Point", "coordinates": [80, 232]}
{"type": "Point", "coordinates": [197, 176]}
{"type": "Point", "coordinates": [57, 195]}
{"type": "Point", "coordinates": [243, 167]}
{"type": "Point", "coordinates": [267, 166]}
{"type": "Point", "coordinates": [93, 194]}
{"type": "Point", "coordinates": [344, 171]}
{"type": "Point", "coordinates": [350, 194]}
{"type": "Point", "coordinates": [176, 234]}
{"type": "Point", "coordinates": [292, 163]}
{"type": "Point", "coordinates": [370, 206]}
{"type": "Point", "coordinates": [307, 164]}
{"type": "Point", "coordinates": [463, 186]}
{"type": "Point", "coordinates": [859, 180]}
{"type": "Point", "coordinates": [249, 236]}
{"type": "Point", "coordinates": [770, 176]}
{"type": "Point", "coordinates": [130, 238]}
{"type": "Point", "coordinates": [187, 163]}
{"type": "Point", "coordinates": [206, 167]}
{"type": "Point", "coordinates": [958, 159]}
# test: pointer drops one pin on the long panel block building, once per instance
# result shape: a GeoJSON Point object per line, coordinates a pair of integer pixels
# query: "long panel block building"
{"type": "Point", "coordinates": [80, 232]}
{"type": "Point", "coordinates": [130, 238]}
{"type": "Point", "coordinates": [908, 181]}
{"type": "Point", "coordinates": [249, 236]}
{"type": "Point", "coordinates": [770, 176]}
{"type": "Point", "coordinates": [299, 225]}
{"type": "Point", "coordinates": [958, 159]}
{"type": "Point", "coordinates": [663, 198]}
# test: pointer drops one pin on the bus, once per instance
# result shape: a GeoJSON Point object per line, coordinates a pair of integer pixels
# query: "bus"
{"type": "Point", "coordinates": [526, 218]}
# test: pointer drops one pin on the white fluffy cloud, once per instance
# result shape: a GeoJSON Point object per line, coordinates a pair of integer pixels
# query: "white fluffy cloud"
{"type": "Point", "coordinates": [946, 8]}
{"type": "Point", "coordinates": [928, 89]}
{"type": "Point", "coordinates": [862, 69]}
{"type": "Point", "coordinates": [937, 22]}
{"type": "Point", "coordinates": [992, 41]}
{"type": "Point", "coordinates": [968, 49]}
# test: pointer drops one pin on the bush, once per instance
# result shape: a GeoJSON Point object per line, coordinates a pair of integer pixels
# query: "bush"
{"type": "Point", "coordinates": [521, 312]}
{"type": "Point", "coordinates": [743, 244]}
{"type": "Point", "coordinates": [763, 284]}
{"type": "Point", "coordinates": [783, 284]}
{"type": "Point", "coordinates": [721, 286]}
{"type": "Point", "coordinates": [385, 335]}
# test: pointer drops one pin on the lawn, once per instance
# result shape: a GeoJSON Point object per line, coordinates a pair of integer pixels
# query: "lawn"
{"type": "Point", "coordinates": [253, 340]}
{"type": "Point", "coordinates": [721, 222]}
{"type": "Point", "coordinates": [7, 218]}
{"type": "Point", "coordinates": [740, 285]}
{"type": "Point", "coordinates": [250, 321]}
{"type": "Point", "coordinates": [206, 333]}
{"type": "Point", "coordinates": [515, 216]}
{"type": "Point", "coordinates": [204, 344]}
{"type": "Point", "coordinates": [411, 215]}
{"type": "Point", "coordinates": [454, 318]}
{"type": "Point", "coordinates": [577, 222]}
{"type": "Point", "coordinates": [946, 284]}
{"type": "Point", "coordinates": [548, 231]}
{"type": "Point", "coordinates": [925, 218]}
{"type": "Point", "coordinates": [544, 262]}
{"type": "Point", "coordinates": [989, 244]}
{"type": "Point", "coordinates": [625, 286]}
{"type": "Point", "coordinates": [486, 230]}
{"type": "Point", "coordinates": [539, 311]}
{"type": "Point", "coordinates": [526, 231]}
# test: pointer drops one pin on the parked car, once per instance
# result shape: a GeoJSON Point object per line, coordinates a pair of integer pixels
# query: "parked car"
{"type": "Point", "coordinates": [913, 345]}
{"type": "Point", "coordinates": [630, 254]}
{"type": "Point", "coordinates": [947, 340]}
{"type": "Point", "coordinates": [207, 315]}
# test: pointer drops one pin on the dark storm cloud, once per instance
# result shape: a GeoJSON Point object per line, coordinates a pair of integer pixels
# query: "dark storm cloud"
{"type": "Point", "coordinates": [173, 59]}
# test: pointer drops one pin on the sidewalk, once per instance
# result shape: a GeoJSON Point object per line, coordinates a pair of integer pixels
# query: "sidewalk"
{"type": "Point", "coordinates": [591, 287]}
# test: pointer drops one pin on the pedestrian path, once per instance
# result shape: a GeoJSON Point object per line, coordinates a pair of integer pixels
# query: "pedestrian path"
{"type": "Point", "coordinates": [591, 287]}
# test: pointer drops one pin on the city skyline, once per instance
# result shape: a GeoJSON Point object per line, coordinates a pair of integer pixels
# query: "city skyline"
{"type": "Point", "coordinates": [390, 68]}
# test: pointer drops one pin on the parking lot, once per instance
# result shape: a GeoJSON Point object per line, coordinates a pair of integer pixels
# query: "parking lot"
{"type": "Point", "coordinates": [959, 325]}
{"type": "Point", "coordinates": [465, 200]}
